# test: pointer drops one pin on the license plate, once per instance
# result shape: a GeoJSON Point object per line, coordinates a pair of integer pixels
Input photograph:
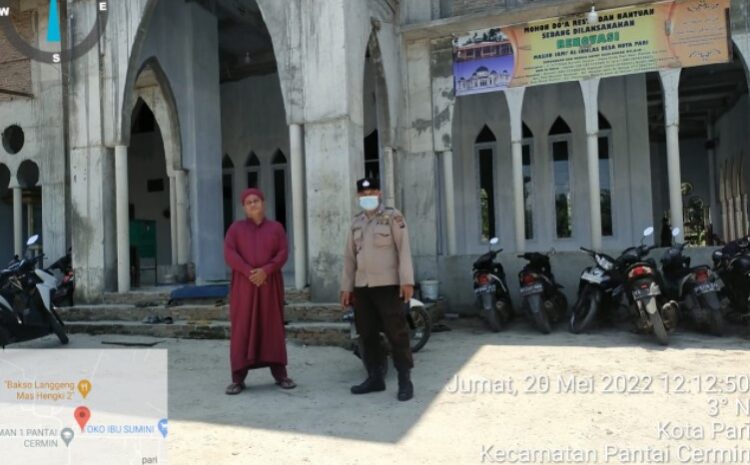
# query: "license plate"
{"type": "Point", "coordinates": [705, 288]}
{"type": "Point", "coordinates": [488, 289]}
{"type": "Point", "coordinates": [639, 294]}
{"type": "Point", "coordinates": [596, 278]}
{"type": "Point", "coordinates": [533, 289]}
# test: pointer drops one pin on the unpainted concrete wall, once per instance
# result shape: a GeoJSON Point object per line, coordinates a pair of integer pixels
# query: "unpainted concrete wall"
{"type": "Point", "coordinates": [542, 106]}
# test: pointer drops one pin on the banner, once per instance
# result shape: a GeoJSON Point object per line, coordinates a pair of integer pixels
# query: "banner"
{"type": "Point", "coordinates": [629, 40]}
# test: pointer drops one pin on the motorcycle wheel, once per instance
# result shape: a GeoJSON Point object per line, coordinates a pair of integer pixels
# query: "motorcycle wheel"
{"type": "Point", "coordinates": [57, 328]}
{"type": "Point", "coordinates": [658, 327]}
{"type": "Point", "coordinates": [716, 323]}
{"type": "Point", "coordinates": [420, 325]}
{"type": "Point", "coordinates": [4, 337]}
{"type": "Point", "coordinates": [585, 311]}
{"type": "Point", "coordinates": [542, 322]}
{"type": "Point", "coordinates": [493, 320]}
{"type": "Point", "coordinates": [539, 318]}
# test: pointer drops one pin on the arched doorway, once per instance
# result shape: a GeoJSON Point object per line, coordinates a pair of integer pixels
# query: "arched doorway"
{"type": "Point", "coordinates": [378, 151]}
{"type": "Point", "coordinates": [149, 201]}
{"type": "Point", "coordinates": [28, 179]}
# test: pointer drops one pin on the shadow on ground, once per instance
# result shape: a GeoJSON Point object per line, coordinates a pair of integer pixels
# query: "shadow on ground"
{"type": "Point", "coordinates": [323, 406]}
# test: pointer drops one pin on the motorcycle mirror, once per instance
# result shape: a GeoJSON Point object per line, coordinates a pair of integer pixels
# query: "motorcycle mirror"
{"type": "Point", "coordinates": [675, 232]}
{"type": "Point", "coordinates": [648, 231]}
{"type": "Point", "coordinates": [32, 240]}
{"type": "Point", "coordinates": [494, 241]}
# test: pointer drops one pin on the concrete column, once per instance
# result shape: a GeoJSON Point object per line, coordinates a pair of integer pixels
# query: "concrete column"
{"type": "Point", "coordinates": [333, 163]}
{"type": "Point", "coordinates": [17, 220]}
{"type": "Point", "coordinates": [390, 178]}
{"type": "Point", "coordinates": [514, 99]}
{"type": "Point", "coordinates": [183, 248]}
{"type": "Point", "coordinates": [298, 205]}
{"type": "Point", "coordinates": [670, 81]}
{"type": "Point", "coordinates": [450, 203]}
{"type": "Point", "coordinates": [173, 217]}
{"type": "Point", "coordinates": [590, 91]}
{"type": "Point", "coordinates": [122, 201]}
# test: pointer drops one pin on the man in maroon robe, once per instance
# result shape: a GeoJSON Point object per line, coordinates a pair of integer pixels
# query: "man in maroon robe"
{"type": "Point", "coordinates": [256, 250]}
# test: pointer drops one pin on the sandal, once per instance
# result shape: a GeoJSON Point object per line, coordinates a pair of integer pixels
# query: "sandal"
{"type": "Point", "coordinates": [286, 383]}
{"type": "Point", "coordinates": [234, 389]}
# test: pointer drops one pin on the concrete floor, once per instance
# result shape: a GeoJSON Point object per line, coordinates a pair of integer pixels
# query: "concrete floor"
{"type": "Point", "coordinates": [321, 423]}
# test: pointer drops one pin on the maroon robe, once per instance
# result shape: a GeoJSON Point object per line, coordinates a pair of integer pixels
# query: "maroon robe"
{"type": "Point", "coordinates": [256, 313]}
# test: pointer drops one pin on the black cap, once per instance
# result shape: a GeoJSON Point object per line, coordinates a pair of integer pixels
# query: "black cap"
{"type": "Point", "coordinates": [368, 183]}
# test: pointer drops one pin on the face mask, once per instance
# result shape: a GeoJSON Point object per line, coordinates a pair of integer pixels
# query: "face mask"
{"type": "Point", "coordinates": [369, 202]}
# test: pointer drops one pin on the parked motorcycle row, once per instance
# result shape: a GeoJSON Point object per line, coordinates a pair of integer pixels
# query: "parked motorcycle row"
{"type": "Point", "coordinates": [630, 288]}
{"type": "Point", "coordinates": [29, 296]}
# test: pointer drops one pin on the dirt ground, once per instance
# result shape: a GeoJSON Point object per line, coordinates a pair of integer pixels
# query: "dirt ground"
{"type": "Point", "coordinates": [320, 422]}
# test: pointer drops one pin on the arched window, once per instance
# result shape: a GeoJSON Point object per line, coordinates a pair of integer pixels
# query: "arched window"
{"type": "Point", "coordinates": [528, 181]}
{"type": "Point", "coordinates": [227, 183]}
{"type": "Point", "coordinates": [605, 175]}
{"type": "Point", "coordinates": [252, 167]}
{"type": "Point", "coordinates": [484, 147]}
{"type": "Point", "coordinates": [560, 141]}
{"type": "Point", "coordinates": [279, 165]}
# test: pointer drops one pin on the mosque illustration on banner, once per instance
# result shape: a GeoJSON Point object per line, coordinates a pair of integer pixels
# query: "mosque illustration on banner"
{"type": "Point", "coordinates": [482, 61]}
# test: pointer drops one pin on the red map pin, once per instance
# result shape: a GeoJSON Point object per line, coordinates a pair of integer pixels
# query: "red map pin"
{"type": "Point", "coordinates": [82, 415]}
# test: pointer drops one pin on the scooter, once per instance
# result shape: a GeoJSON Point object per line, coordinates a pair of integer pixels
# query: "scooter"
{"type": "Point", "coordinates": [491, 290]}
{"type": "Point", "coordinates": [65, 276]}
{"type": "Point", "coordinates": [596, 291]}
{"type": "Point", "coordinates": [695, 289]}
{"type": "Point", "coordinates": [651, 312]}
{"type": "Point", "coordinates": [542, 300]}
{"type": "Point", "coordinates": [732, 263]}
{"type": "Point", "coordinates": [26, 309]}
{"type": "Point", "coordinates": [420, 330]}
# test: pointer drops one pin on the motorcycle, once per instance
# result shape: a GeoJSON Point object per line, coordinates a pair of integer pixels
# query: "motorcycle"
{"type": "Point", "coordinates": [542, 300]}
{"type": "Point", "coordinates": [596, 290]}
{"type": "Point", "coordinates": [420, 330]}
{"type": "Point", "coordinates": [695, 289]}
{"type": "Point", "coordinates": [732, 263]}
{"type": "Point", "coordinates": [63, 272]}
{"type": "Point", "coordinates": [491, 290]}
{"type": "Point", "coordinates": [26, 308]}
{"type": "Point", "coordinates": [643, 298]}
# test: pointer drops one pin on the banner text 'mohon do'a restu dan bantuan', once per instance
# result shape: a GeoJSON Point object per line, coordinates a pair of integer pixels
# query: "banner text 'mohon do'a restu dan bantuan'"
{"type": "Point", "coordinates": [630, 40]}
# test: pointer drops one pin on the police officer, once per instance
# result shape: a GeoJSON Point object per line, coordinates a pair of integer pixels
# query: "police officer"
{"type": "Point", "coordinates": [378, 278]}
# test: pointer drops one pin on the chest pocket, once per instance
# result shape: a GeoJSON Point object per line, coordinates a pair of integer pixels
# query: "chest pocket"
{"type": "Point", "coordinates": [383, 237]}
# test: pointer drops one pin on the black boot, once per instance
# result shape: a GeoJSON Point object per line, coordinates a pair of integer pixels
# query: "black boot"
{"type": "Point", "coordinates": [373, 383]}
{"type": "Point", "coordinates": [405, 386]}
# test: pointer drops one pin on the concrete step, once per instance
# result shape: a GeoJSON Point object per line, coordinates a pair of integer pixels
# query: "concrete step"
{"type": "Point", "coordinates": [316, 333]}
{"type": "Point", "coordinates": [160, 296]}
{"type": "Point", "coordinates": [294, 312]}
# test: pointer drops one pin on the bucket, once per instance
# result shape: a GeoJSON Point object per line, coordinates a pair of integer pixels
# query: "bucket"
{"type": "Point", "coordinates": [429, 289]}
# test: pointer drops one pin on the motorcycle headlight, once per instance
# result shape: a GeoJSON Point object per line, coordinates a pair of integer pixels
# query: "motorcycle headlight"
{"type": "Point", "coordinates": [603, 263]}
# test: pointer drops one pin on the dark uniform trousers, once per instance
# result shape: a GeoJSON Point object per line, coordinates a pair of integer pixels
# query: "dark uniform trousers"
{"type": "Point", "coordinates": [381, 309]}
